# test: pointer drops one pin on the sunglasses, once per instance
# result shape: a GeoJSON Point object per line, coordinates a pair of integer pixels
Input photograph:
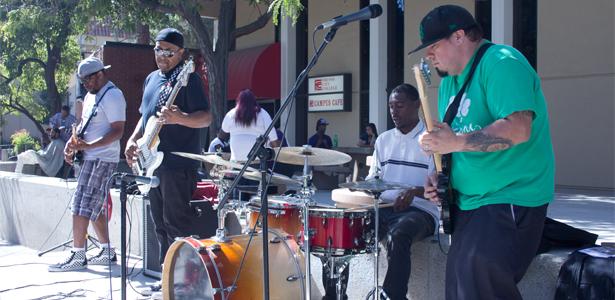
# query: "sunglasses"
{"type": "Point", "coordinates": [87, 78]}
{"type": "Point", "coordinates": [165, 52]}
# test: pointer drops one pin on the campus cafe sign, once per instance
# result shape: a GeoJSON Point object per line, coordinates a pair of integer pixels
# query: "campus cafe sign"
{"type": "Point", "coordinates": [329, 93]}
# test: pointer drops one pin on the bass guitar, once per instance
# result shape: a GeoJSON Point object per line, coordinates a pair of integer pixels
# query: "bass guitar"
{"type": "Point", "coordinates": [422, 75]}
{"type": "Point", "coordinates": [148, 157]}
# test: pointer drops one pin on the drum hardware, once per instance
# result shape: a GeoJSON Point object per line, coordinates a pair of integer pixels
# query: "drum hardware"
{"type": "Point", "coordinates": [258, 150]}
{"type": "Point", "coordinates": [335, 266]}
{"type": "Point", "coordinates": [226, 290]}
{"type": "Point", "coordinates": [375, 187]}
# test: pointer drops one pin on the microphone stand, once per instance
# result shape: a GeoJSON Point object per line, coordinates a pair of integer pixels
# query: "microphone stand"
{"type": "Point", "coordinates": [124, 256]}
{"type": "Point", "coordinates": [258, 149]}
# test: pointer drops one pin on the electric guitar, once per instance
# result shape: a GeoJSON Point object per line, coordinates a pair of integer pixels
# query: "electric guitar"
{"type": "Point", "coordinates": [148, 157]}
{"type": "Point", "coordinates": [77, 156]}
{"type": "Point", "coordinates": [422, 75]}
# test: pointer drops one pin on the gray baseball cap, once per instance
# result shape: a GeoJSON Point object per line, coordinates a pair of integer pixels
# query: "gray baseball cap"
{"type": "Point", "coordinates": [89, 66]}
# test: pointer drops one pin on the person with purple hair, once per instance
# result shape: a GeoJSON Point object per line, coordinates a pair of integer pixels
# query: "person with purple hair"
{"type": "Point", "coordinates": [246, 122]}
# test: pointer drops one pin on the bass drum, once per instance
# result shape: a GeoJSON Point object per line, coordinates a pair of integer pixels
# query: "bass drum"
{"type": "Point", "coordinates": [206, 269]}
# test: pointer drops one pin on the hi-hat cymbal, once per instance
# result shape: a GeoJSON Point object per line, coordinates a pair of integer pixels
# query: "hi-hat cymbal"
{"type": "Point", "coordinates": [375, 185]}
{"type": "Point", "coordinates": [276, 179]}
{"type": "Point", "coordinates": [315, 156]}
{"type": "Point", "coordinates": [213, 159]}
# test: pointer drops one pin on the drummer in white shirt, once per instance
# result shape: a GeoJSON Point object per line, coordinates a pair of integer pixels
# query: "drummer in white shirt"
{"type": "Point", "coordinates": [398, 158]}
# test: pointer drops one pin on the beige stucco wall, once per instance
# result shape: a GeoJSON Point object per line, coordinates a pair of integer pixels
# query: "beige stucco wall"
{"type": "Point", "coordinates": [576, 64]}
{"type": "Point", "coordinates": [246, 14]}
{"type": "Point", "coordinates": [340, 56]}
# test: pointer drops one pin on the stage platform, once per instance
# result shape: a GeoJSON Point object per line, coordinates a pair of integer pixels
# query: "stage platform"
{"type": "Point", "coordinates": [34, 215]}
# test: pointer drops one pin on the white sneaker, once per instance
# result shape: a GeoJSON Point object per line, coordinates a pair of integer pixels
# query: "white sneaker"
{"type": "Point", "coordinates": [75, 261]}
{"type": "Point", "coordinates": [105, 257]}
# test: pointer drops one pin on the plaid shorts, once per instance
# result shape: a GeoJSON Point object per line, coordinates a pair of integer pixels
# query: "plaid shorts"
{"type": "Point", "coordinates": [89, 197]}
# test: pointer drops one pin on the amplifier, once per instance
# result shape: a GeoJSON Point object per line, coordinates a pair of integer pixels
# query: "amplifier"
{"type": "Point", "coordinates": [151, 249]}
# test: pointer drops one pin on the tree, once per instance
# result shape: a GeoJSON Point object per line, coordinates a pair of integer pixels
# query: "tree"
{"type": "Point", "coordinates": [215, 60]}
{"type": "Point", "coordinates": [37, 54]}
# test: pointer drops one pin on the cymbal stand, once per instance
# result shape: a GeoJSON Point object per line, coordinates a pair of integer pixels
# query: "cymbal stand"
{"type": "Point", "coordinates": [377, 290]}
{"type": "Point", "coordinates": [305, 194]}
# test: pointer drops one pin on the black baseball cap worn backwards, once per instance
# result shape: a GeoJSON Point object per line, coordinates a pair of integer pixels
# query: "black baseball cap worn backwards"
{"type": "Point", "coordinates": [441, 22]}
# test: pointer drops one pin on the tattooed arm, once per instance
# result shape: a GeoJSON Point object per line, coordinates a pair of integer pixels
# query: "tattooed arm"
{"type": "Point", "coordinates": [515, 129]}
{"type": "Point", "coordinates": [502, 134]}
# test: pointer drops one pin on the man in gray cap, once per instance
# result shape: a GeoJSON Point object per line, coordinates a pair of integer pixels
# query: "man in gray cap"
{"type": "Point", "coordinates": [496, 133]}
{"type": "Point", "coordinates": [105, 109]}
{"type": "Point", "coordinates": [170, 201]}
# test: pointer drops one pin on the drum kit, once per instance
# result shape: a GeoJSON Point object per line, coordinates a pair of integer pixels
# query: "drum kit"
{"type": "Point", "coordinates": [226, 267]}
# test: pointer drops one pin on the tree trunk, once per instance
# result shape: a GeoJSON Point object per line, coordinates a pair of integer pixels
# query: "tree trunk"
{"type": "Point", "coordinates": [53, 96]}
{"type": "Point", "coordinates": [219, 62]}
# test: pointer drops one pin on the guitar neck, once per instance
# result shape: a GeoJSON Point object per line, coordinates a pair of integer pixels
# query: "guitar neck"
{"type": "Point", "coordinates": [156, 129]}
{"type": "Point", "coordinates": [426, 111]}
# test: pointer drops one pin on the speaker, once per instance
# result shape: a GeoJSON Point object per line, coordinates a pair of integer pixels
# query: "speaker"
{"type": "Point", "coordinates": [151, 248]}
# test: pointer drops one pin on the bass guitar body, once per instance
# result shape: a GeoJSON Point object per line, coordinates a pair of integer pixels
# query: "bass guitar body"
{"type": "Point", "coordinates": [148, 156]}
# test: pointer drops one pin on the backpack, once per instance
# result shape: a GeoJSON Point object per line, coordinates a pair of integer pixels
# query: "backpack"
{"type": "Point", "coordinates": [587, 274]}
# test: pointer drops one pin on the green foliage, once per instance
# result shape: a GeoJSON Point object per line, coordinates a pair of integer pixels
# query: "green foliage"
{"type": "Point", "coordinates": [287, 8]}
{"type": "Point", "coordinates": [38, 31]}
{"type": "Point", "coordinates": [22, 141]}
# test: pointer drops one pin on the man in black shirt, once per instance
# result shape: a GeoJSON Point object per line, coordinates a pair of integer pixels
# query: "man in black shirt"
{"type": "Point", "coordinates": [173, 217]}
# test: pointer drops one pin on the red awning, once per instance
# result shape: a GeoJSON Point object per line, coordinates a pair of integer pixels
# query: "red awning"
{"type": "Point", "coordinates": [255, 68]}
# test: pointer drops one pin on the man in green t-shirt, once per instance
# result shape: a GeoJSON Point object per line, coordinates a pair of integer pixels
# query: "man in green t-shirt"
{"type": "Point", "coordinates": [502, 167]}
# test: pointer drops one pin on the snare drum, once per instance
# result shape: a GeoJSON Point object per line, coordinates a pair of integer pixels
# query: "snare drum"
{"type": "Point", "coordinates": [284, 213]}
{"type": "Point", "coordinates": [206, 269]}
{"type": "Point", "coordinates": [338, 231]}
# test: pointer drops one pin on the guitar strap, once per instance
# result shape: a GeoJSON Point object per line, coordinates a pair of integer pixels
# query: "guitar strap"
{"type": "Point", "coordinates": [451, 112]}
{"type": "Point", "coordinates": [93, 113]}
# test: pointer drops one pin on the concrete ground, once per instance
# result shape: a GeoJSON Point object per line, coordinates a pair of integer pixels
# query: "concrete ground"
{"type": "Point", "coordinates": [24, 275]}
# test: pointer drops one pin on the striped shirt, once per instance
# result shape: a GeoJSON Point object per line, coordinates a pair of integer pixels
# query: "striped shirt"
{"type": "Point", "coordinates": [398, 158]}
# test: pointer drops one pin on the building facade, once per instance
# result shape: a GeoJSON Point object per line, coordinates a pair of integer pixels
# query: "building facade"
{"type": "Point", "coordinates": [572, 52]}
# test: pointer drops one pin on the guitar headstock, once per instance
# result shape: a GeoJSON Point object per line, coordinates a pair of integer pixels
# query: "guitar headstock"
{"type": "Point", "coordinates": [188, 68]}
{"type": "Point", "coordinates": [425, 71]}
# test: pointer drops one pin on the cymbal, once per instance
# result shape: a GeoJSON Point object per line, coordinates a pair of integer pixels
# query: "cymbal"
{"type": "Point", "coordinates": [213, 159]}
{"type": "Point", "coordinates": [276, 179]}
{"type": "Point", "coordinates": [375, 185]}
{"type": "Point", "coordinates": [315, 156]}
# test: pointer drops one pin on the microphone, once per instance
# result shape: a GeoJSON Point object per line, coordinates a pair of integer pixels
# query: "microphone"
{"type": "Point", "coordinates": [371, 11]}
{"type": "Point", "coordinates": [152, 181]}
